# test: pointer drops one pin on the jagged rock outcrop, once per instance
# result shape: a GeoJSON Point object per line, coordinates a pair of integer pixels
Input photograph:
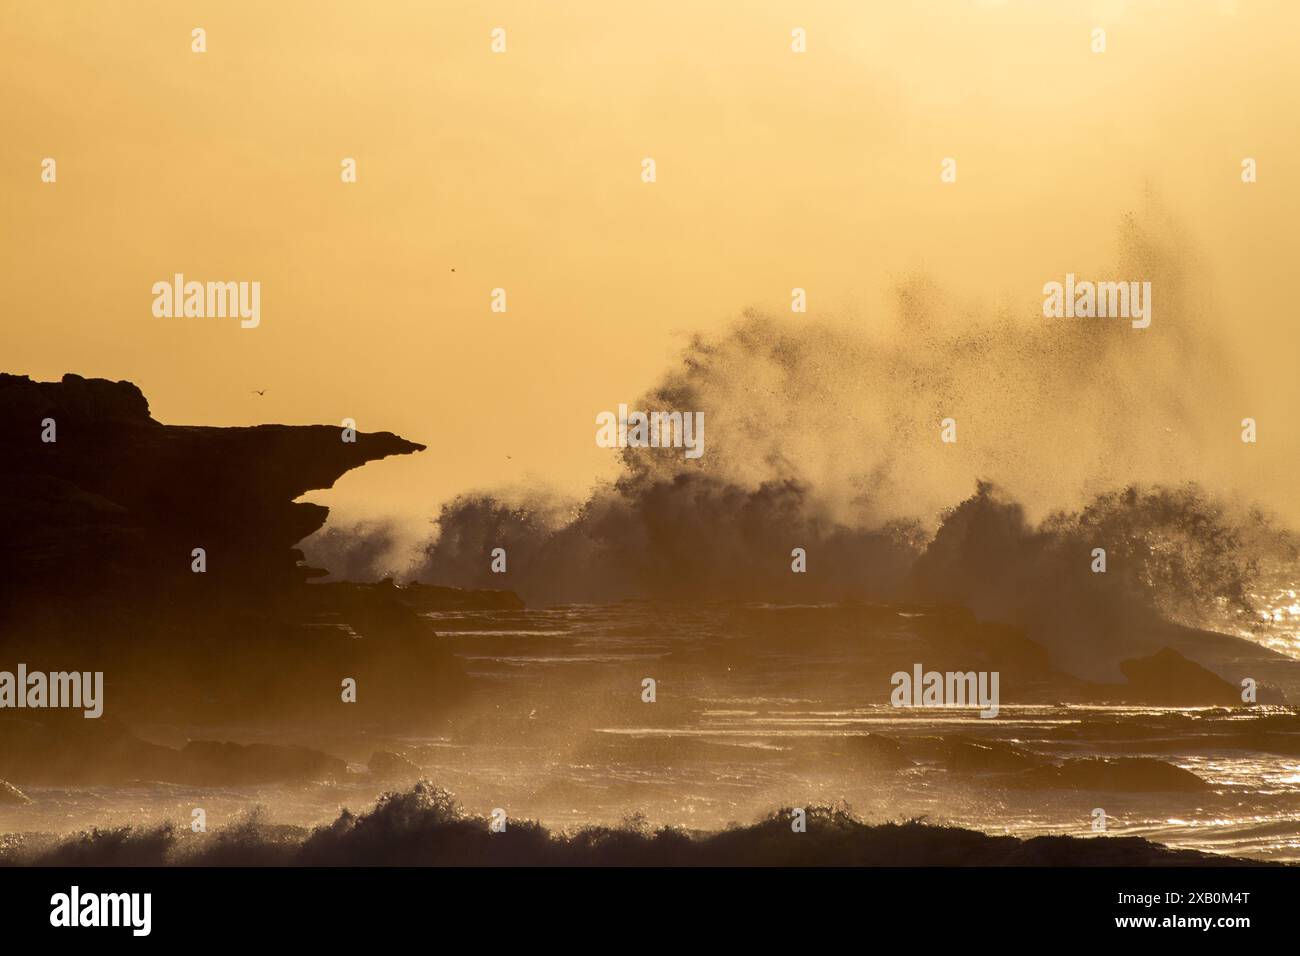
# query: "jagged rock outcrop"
{"type": "Point", "coordinates": [95, 566]}
{"type": "Point", "coordinates": [119, 500]}
{"type": "Point", "coordinates": [1168, 678]}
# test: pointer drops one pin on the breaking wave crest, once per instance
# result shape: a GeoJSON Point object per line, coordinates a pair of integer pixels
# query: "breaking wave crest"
{"type": "Point", "coordinates": [424, 826]}
{"type": "Point", "coordinates": [824, 436]}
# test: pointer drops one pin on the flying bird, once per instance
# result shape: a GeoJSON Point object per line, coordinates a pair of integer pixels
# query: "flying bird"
{"type": "Point", "coordinates": [259, 391]}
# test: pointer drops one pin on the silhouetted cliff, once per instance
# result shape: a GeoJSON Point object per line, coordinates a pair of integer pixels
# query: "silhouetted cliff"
{"type": "Point", "coordinates": [102, 507]}
{"type": "Point", "coordinates": [117, 500]}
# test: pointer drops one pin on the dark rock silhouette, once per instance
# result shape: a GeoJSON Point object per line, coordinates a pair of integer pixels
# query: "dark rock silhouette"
{"type": "Point", "coordinates": [97, 567]}
{"type": "Point", "coordinates": [119, 500]}
{"type": "Point", "coordinates": [63, 752]}
{"type": "Point", "coordinates": [67, 751]}
{"type": "Point", "coordinates": [1117, 775]}
{"type": "Point", "coordinates": [1169, 678]}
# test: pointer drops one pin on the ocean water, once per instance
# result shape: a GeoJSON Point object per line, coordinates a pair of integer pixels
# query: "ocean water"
{"type": "Point", "coordinates": [743, 724]}
{"type": "Point", "coordinates": [756, 708]}
{"type": "Point", "coordinates": [1274, 618]}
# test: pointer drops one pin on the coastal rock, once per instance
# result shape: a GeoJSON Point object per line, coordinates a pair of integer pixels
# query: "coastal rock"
{"type": "Point", "coordinates": [968, 755]}
{"type": "Point", "coordinates": [104, 752]}
{"type": "Point", "coordinates": [119, 500]}
{"type": "Point", "coordinates": [72, 752]}
{"type": "Point", "coordinates": [1122, 775]}
{"type": "Point", "coordinates": [96, 560]}
{"type": "Point", "coordinates": [1169, 678]}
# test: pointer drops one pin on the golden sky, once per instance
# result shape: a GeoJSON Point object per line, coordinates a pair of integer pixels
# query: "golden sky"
{"type": "Point", "coordinates": [522, 170]}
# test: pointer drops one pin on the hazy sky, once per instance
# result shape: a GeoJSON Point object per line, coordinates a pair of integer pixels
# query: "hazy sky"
{"type": "Point", "coordinates": [522, 170]}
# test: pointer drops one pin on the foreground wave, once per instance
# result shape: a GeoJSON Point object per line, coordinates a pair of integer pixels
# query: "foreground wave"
{"type": "Point", "coordinates": [424, 826]}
